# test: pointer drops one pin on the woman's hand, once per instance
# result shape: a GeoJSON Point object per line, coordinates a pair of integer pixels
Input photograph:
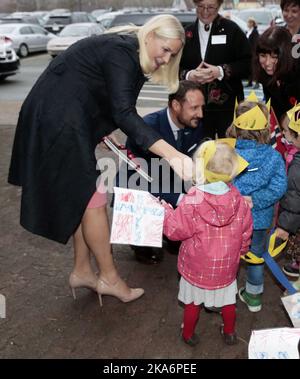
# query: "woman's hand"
{"type": "Point", "coordinates": [180, 163]}
{"type": "Point", "coordinates": [113, 138]}
{"type": "Point", "coordinates": [204, 73]}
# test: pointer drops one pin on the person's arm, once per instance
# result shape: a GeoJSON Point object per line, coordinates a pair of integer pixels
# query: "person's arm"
{"type": "Point", "coordinates": [289, 217]}
{"type": "Point", "coordinates": [247, 228]}
{"type": "Point", "coordinates": [180, 163]}
{"type": "Point", "coordinates": [265, 197]}
{"type": "Point", "coordinates": [122, 74]}
{"type": "Point", "coordinates": [178, 223]}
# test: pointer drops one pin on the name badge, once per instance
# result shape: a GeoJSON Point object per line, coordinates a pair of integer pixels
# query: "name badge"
{"type": "Point", "coordinates": [218, 40]}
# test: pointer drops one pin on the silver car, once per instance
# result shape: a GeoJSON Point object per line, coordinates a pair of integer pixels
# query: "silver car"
{"type": "Point", "coordinates": [9, 61]}
{"type": "Point", "coordinates": [26, 38]}
{"type": "Point", "coordinates": [71, 34]}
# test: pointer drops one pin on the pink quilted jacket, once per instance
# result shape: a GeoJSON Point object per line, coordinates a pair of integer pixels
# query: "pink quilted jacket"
{"type": "Point", "coordinates": [215, 230]}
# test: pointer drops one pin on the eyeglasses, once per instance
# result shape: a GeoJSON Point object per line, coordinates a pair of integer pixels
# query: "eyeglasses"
{"type": "Point", "coordinates": [209, 8]}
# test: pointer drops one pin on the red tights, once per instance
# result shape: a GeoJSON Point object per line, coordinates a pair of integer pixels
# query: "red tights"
{"type": "Point", "coordinates": [191, 316]}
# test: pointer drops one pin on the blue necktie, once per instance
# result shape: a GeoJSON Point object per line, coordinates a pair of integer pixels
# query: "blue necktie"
{"type": "Point", "coordinates": [179, 141]}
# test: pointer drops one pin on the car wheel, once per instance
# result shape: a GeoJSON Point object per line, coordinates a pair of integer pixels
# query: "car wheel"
{"type": "Point", "coordinates": [2, 78]}
{"type": "Point", "coordinates": [23, 50]}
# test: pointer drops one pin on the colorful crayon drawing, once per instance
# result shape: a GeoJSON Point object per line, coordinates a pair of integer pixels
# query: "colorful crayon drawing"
{"type": "Point", "coordinates": [137, 218]}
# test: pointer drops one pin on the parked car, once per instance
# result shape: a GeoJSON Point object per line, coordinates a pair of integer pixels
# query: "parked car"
{"type": "Point", "coordinates": [56, 22]}
{"type": "Point", "coordinates": [139, 18]}
{"type": "Point", "coordinates": [72, 33]}
{"type": "Point", "coordinates": [107, 18]}
{"type": "Point", "coordinates": [9, 61]}
{"type": "Point", "coordinates": [26, 38]}
{"type": "Point", "coordinates": [20, 18]}
{"type": "Point", "coordinates": [263, 17]}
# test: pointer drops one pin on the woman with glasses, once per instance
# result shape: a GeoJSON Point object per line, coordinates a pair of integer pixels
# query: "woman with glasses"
{"type": "Point", "coordinates": [217, 54]}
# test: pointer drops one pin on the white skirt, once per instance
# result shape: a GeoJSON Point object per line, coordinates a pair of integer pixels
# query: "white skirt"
{"type": "Point", "coordinates": [210, 298]}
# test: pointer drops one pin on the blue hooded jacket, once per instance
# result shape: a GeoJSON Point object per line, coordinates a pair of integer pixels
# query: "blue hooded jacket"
{"type": "Point", "coordinates": [264, 180]}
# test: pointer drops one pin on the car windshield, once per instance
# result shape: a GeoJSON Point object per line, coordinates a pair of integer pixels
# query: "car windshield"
{"type": "Point", "coordinates": [6, 29]}
{"type": "Point", "coordinates": [59, 20]}
{"type": "Point", "coordinates": [75, 31]}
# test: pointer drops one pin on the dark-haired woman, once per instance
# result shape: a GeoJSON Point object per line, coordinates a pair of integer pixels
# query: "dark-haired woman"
{"type": "Point", "coordinates": [277, 69]}
{"type": "Point", "coordinates": [291, 15]}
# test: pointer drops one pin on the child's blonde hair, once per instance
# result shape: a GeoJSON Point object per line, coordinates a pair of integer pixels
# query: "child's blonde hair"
{"type": "Point", "coordinates": [261, 136]}
{"type": "Point", "coordinates": [224, 162]}
{"type": "Point", "coordinates": [164, 26]}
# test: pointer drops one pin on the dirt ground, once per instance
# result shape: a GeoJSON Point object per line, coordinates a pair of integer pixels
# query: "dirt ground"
{"type": "Point", "coordinates": [43, 321]}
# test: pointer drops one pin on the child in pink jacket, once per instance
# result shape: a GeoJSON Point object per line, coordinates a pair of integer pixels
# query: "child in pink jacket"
{"type": "Point", "coordinates": [214, 223]}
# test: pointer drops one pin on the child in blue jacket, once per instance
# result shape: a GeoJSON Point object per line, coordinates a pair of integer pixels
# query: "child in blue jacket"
{"type": "Point", "coordinates": [264, 182]}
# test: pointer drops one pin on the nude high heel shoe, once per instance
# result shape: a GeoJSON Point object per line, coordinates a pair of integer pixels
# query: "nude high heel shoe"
{"type": "Point", "coordinates": [119, 290]}
{"type": "Point", "coordinates": [77, 282]}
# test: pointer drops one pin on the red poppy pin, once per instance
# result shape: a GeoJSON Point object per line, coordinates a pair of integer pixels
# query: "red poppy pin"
{"type": "Point", "coordinates": [189, 34]}
{"type": "Point", "coordinates": [292, 100]}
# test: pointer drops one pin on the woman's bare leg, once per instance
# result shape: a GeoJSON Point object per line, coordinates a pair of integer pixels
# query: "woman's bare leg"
{"type": "Point", "coordinates": [82, 258]}
{"type": "Point", "coordinates": [96, 233]}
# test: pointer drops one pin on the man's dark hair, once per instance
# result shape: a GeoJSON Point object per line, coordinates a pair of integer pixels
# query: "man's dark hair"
{"type": "Point", "coordinates": [287, 3]}
{"type": "Point", "coordinates": [184, 87]}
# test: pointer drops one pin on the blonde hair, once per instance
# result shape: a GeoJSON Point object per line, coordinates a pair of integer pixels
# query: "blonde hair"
{"type": "Point", "coordinates": [261, 136]}
{"type": "Point", "coordinates": [253, 21]}
{"type": "Point", "coordinates": [224, 162]}
{"type": "Point", "coordinates": [165, 27]}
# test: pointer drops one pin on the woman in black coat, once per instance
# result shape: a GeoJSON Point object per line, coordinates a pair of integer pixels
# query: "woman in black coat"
{"type": "Point", "coordinates": [218, 55]}
{"type": "Point", "coordinates": [86, 93]}
{"type": "Point", "coordinates": [277, 70]}
{"type": "Point", "coordinates": [252, 35]}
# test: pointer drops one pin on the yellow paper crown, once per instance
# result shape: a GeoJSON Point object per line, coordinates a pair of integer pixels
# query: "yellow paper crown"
{"type": "Point", "coordinates": [294, 117]}
{"type": "Point", "coordinates": [207, 154]}
{"type": "Point", "coordinates": [254, 119]}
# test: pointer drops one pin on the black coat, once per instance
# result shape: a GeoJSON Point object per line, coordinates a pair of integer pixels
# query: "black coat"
{"type": "Point", "coordinates": [85, 93]}
{"type": "Point", "coordinates": [253, 37]}
{"type": "Point", "coordinates": [284, 96]}
{"type": "Point", "coordinates": [289, 217]}
{"type": "Point", "coordinates": [234, 56]}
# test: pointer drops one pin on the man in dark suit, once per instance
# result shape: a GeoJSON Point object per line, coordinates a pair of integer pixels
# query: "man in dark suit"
{"type": "Point", "coordinates": [180, 125]}
{"type": "Point", "coordinates": [217, 54]}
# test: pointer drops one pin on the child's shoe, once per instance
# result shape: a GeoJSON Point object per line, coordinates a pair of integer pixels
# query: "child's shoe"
{"type": "Point", "coordinates": [253, 302]}
{"type": "Point", "coordinates": [291, 269]}
{"type": "Point", "coordinates": [193, 341]}
{"type": "Point", "coordinates": [229, 339]}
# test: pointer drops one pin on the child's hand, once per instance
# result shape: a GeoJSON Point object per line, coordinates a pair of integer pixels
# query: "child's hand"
{"type": "Point", "coordinates": [249, 201]}
{"type": "Point", "coordinates": [280, 233]}
{"type": "Point", "coordinates": [165, 204]}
